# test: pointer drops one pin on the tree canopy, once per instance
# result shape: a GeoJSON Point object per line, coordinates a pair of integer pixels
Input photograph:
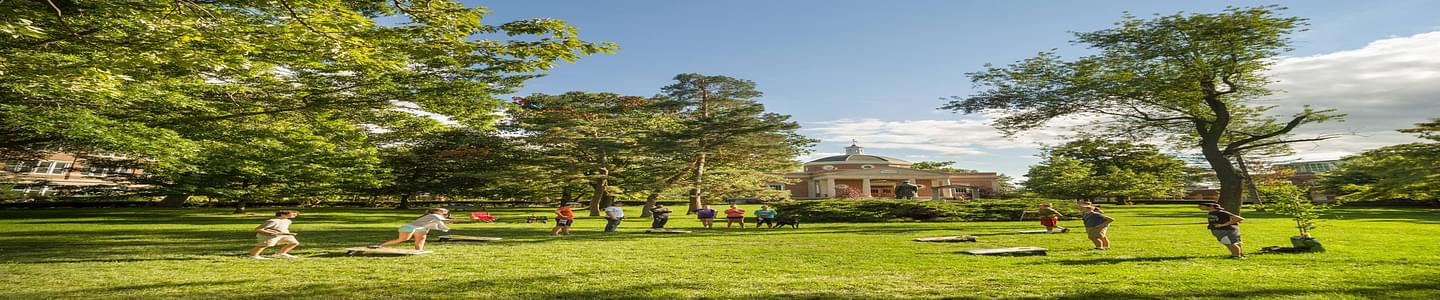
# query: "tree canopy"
{"type": "Point", "coordinates": [1091, 168]}
{"type": "Point", "coordinates": [1190, 78]}
{"type": "Point", "coordinates": [1406, 171]}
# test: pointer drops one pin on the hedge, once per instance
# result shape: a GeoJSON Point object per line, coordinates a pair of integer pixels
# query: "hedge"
{"type": "Point", "coordinates": [915, 210]}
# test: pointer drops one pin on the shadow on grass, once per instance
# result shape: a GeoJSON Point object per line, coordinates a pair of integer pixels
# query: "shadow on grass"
{"type": "Point", "coordinates": [1416, 289]}
{"type": "Point", "coordinates": [1117, 260]}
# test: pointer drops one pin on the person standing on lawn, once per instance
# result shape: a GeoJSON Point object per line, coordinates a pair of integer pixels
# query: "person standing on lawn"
{"type": "Point", "coordinates": [765, 216]}
{"type": "Point", "coordinates": [613, 215]}
{"type": "Point", "coordinates": [273, 232]}
{"type": "Point", "coordinates": [434, 219]}
{"type": "Point", "coordinates": [733, 215]}
{"type": "Point", "coordinates": [706, 215]}
{"type": "Point", "coordinates": [1050, 218]}
{"type": "Point", "coordinates": [1225, 226]}
{"type": "Point", "coordinates": [563, 219]}
{"type": "Point", "coordinates": [1097, 226]}
{"type": "Point", "coordinates": [661, 215]}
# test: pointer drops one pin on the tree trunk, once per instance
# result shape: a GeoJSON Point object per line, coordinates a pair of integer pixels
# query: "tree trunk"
{"type": "Point", "coordinates": [1250, 182]}
{"type": "Point", "coordinates": [565, 193]}
{"type": "Point", "coordinates": [600, 193]}
{"type": "Point", "coordinates": [240, 205]}
{"type": "Point", "coordinates": [696, 193]}
{"type": "Point", "coordinates": [174, 200]}
{"type": "Point", "coordinates": [1231, 183]}
{"type": "Point", "coordinates": [404, 201]}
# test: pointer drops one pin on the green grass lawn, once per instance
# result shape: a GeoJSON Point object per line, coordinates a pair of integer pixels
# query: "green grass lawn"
{"type": "Point", "coordinates": [1160, 252]}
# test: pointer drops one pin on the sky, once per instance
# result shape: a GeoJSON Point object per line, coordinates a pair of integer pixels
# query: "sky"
{"type": "Point", "coordinates": [875, 71]}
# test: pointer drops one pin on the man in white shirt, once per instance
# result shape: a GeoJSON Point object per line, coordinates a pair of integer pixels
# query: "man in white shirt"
{"type": "Point", "coordinates": [613, 215]}
{"type": "Point", "coordinates": [275, 232]}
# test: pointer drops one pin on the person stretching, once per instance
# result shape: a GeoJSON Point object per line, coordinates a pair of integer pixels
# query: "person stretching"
{"type": "Point", "coordinates": [434, 218]}
{"type": "Point", "coordinates": [1225, 226]}
{"type": "Point", "coordinates": [765, 216]}
{"type": "Point", "coordinates": [734, 215]}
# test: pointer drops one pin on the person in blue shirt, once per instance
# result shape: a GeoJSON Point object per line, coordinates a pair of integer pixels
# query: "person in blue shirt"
{"type": "Point", "coordinates": [765, 216]}
{"type": "Point", "coordinates": [706, 215]}
{"type": "Point", "coordinates": [1097, 226]}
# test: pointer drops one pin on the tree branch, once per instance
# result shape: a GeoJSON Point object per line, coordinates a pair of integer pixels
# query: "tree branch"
{"type": "Point", "coordinates": [1235, 146]}
{"type": "Point", "coordinates": [1241, 149]}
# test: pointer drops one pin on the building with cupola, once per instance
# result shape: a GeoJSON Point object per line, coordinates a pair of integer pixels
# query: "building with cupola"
{"type": "Point", "coordinates": [860, 175]}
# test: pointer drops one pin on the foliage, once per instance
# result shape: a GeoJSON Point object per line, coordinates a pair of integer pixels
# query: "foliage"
{"type": "Point", "coordinates": [455, 161]}
{"type": "Point", "coordinates": [911, 210]}
{"type": "Point", "coordinates": [1407, 171]}
{"type": "Point", "coordinates": [723, 127]}
{"type": "Point", "coordinates": [1090, 168]}
{"type": "Point", "coordinates": [252, 99]}
{"type": "Point", "coordinates": [1190, 78]}
{"type": "Point", "coordinates": [946, 166]}
{"type": "Point", "coordinates": [1293, 201]}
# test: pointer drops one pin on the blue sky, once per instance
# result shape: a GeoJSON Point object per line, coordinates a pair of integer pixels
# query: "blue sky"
{"type": "Point", "coordinates": [874, 70]}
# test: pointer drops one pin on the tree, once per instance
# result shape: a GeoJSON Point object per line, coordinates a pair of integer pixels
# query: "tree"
{"type": "Point", "coordinates": [720, 118]}
{"type": "Point", "coordinates": [1189, 78]}
{"type": "Point", "coordinates": [946, 166]}
{"type": "Point", "coordinates": [158, 79]}
{"type": "Point", "coordinates": [454, 161]}
{"type": "Point", "coordinates": [588, 136]}
{"type": "Point", "coordinates": [1406, 171]}
{"type": "Point", "coordinates": [1089, 168]}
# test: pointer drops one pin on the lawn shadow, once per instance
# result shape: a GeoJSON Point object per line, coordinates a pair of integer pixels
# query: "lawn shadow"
{"type": "Point", "coordinates": [1401, 290]}
{"type": "Point", "coordinates": [1117, 260]}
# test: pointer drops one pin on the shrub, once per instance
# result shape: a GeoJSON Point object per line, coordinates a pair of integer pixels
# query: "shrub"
{"type": "Point", "coordinates": [913, 210]}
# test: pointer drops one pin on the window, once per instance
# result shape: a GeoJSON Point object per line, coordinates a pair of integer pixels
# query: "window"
{"type": "Point", "coordinates": [867, 167]}
{"type": "Point", "coordinates": [778, 187]}
{"type": "Point", "coordinates": [42, 167]}
{"type": "Point", "coordinates": [93, 171]}
{"type": "Point", "coordinates": [59, 168]}
{"type": "Point", "coordinates": [19, 166]}
{"type": "Point", "coordinates": [828, 168]}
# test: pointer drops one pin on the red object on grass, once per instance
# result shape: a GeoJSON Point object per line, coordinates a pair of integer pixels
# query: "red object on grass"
{"type": "Point", "coordinates": [481, 216]}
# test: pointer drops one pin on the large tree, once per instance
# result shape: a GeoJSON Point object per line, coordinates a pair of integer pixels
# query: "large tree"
{"type": "Point", "coordinates": [1191, 78]}
{"type": "Point", "coordinates": [1407, 171]}
{"type": "Point", "coordinates": [724, 127]}
{"type": "Point", "coordinates": [154, 79]}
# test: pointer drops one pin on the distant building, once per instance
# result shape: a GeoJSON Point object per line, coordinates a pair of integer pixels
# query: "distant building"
{"type": "Point", "coordinates": [861, 175]}
{"type": "Point", "coordinates": [63, 173]}
{"type": "Point", "coordinates": [1307, 171]}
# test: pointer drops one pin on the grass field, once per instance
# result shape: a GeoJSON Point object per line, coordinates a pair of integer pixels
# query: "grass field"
{"type": "Point", "coordinates": [1160, 252]}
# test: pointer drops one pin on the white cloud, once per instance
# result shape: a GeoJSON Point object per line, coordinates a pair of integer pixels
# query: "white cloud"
{"type": "Point", "coordinates": [1388, 84]}
{"type": "Point", "coordinates": [965, 136]}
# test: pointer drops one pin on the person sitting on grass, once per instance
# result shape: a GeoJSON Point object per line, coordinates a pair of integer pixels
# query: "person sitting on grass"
{"type": "Point", "coordinates": [1225, 226]}
{"type": "Point", "coordinates": [273, 232]}
{"type": "Point", "coordinates": [1097, 226]}
{"type": "Point", "coordinates": [563, 219]}
{"type": "Point", "coordinates": [434, 218]}
{"type": "Point", "coordinates": [661, 215]}
{"type": "Point", "coordinates": [1050, 218]}
{"type": "Point", "coordinates": [765, 216]}
{"type": "Point", "coordinates": [734, 215]}
{"type": "Point", "coordinates": [613, 215]}
{"type": "Point", "coordinates": [706, 215]}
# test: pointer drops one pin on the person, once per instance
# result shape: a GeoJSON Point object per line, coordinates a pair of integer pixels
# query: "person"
{"type": "Point", "coordinates": [734, 215]}
{"type": "Point", "coordinates": [706, 215]}
{"type": "Point", "coordinates": [1050, 218]}
{"type": "Point", "coordinates": [1097, 226]}
{"type": "Point", "coordinates": [434, 219]}
{"type": "Point", "coordinates": [275, 231]}
{"type": "Point", "coordinates": [613, 215]}
{"type": "Point", "coordinates": [1225, 226]}
{"type": "Point", "coordinates": [661, 215]}
{"type": "Point", "coordinates": [563, 219]}
{"type": "Point", "coordinates": [765, 216]}
{"type": "Point", "coordinates": [906, 190]}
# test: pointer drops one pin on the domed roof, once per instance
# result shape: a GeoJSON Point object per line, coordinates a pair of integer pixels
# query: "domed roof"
{"type": "Point", "coordinates": [860, 158]}
{"type": "Point", "coordinates": [856, 154]}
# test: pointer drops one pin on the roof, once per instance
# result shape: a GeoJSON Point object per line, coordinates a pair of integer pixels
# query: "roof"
{"type": "Point", "coordinates": [860, 158]}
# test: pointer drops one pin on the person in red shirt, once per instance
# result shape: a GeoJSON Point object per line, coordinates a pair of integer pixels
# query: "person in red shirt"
{"type": "Point", "coordinates": [563, 219]}
{"type": "Point", "coordinates": [734, 215]}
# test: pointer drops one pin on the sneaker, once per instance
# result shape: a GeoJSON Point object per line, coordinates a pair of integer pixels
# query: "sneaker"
{"type": "Point", "coordinates": [1064, 230]}
{"type": "Point", "coordinates": [283, 255]}
{"type": "Point", "coordinates": [374, 246]}
{"type": "Point", "coordinates": [1098, 248]}
{"type": "Point", "coordinates": [257, 257]}
{"type": "Point", "coordinates": [1237, 257]}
